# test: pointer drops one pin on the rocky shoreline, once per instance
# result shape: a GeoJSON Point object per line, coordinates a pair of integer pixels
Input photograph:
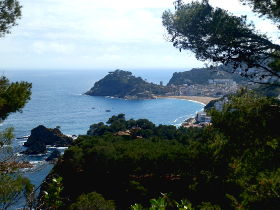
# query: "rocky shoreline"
{"type": "Point", "coordinates": [41, 138]}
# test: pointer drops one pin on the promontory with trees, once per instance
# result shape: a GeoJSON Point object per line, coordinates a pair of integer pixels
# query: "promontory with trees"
{"type": "Point", "coordinates": [196, 82]}
{"type": "Point", "coordinates": [123, 84]}
{"type": "Point", "coordinates": [233, 163]}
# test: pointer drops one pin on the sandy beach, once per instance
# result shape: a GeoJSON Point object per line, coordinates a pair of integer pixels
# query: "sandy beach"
{"type": "Point", "coordinates": [200, 99]}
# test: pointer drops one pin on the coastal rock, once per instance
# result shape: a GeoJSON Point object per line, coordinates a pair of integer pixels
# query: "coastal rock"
{"type": "Point", "coordinates": [54, 155]}
{"type": "Point", "coordinates": [122, 84]}
{"type": "Point", "coordinates": [36, 148]}
{"type": "Point", "coordinates": [48, 136]}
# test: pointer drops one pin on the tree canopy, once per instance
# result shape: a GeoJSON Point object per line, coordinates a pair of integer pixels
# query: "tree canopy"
{"type": "Point", "coordinates": [218, 36]}
{"type": "Point", "coordinates": [232, 163]}
{"type": "Point", "coordinates": [13, 97]}
{"type": "Point", "coordinates": [268, 8]}
{"type": "Point", "coordinates": [10, 11]}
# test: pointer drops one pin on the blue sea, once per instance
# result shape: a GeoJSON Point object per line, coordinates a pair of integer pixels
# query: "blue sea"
{"type": "Point", "coordinates": [58, 100]}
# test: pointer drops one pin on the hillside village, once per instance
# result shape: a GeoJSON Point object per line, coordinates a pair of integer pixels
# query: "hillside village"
{"type": "Point", "coordinates": [196, 82]}
{"type": "Point", "coordinates": [215, 88]}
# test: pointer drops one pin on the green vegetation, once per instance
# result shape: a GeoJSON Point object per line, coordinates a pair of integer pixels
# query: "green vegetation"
{"type": "Point", "coordinates": [201, 76]}
{"type": "Point", "coordinates": [10, 11]}
{"type": "Point", "coordinates": [123, 84]}
{"type": "Point", "coordinates": [13, 97]}
{"type": "Point", "coordinates": [52, 198]}
{"type": "Point", "coordinates": [92, 201]}
{"type": "Point", "coordinates": [164, 202]}
{"type": "Point", "coordinates": [231, 164]}
{"type": "Point", "coordinates": [141, 128]}
{"type": "Point", "coordinates": [12, 189]}
{"type": "Point", "coordinates": [267, 8]}
{"type": "Point", "coordinates": [215, 35]}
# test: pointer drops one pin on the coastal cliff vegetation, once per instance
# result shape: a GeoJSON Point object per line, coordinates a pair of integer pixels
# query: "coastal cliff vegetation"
{"type": "Point", "coordinates": [123, 84]}
{"type": "Point", "coordinates": [202, 76]}
{"type": "Point", "coordinates": [233, 163]}
{"type": "Point", "coordinates": [230, 164]}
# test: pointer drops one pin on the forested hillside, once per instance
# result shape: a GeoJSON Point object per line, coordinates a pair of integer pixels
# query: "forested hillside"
{"type": "Point", "coordinates": [201, 76]}
{"type": "Point", "coordinates": [231, 164]}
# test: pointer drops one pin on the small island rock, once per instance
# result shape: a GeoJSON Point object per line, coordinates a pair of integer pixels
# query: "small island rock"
{"type": "Point", "coordinates": [122, 84]}
{"type": "Point", "coordinates": [48, 136]}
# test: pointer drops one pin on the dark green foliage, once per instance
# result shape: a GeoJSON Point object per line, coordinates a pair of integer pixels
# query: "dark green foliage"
{"type": "Point", "coordinates": [201, 76]}
{"type": "Point", "coordinates": [268, 8]}
{"type": "Point", "coordinates": [217, 36]}
{"type": "Point", "coordinates": [13, 96]}
{"type": "Point", "coordinates": [134, 170]}
{"type": "Point", "coordinates": [242, 111]}
{"type": "Point", "coordinates": [10, 11]}
{"type": "Point", "coordinates": [250, 125]}
{"type": "Point", "coordinates": [232, 164]}
{"type": "Point", "coordinates": [92, 201]}
{"type": "Point", "coordinates": [139, 128]}
{"type": "Point", "coordinates": [115, 83]}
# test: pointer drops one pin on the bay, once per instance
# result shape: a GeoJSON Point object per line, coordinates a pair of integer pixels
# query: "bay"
{"type": "Point", "coordinates": [58, 100]}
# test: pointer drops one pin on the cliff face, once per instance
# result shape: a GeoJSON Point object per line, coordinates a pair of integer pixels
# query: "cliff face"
{"type": "Point", "coordinates": [201, 76]}
{"type": "Point", "coordinates": [123, 84]}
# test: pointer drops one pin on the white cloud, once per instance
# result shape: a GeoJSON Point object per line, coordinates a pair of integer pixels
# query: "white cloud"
{"type": "Point", "coordinates": [41, 47]}
{"type": "Point", "coordinates": [86, 33]}
{"type": "Point", "coordinates": [94, 20]}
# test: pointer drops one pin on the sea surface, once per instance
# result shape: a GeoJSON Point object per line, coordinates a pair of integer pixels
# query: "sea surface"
{"type": "Point", "coordinates": [58, 100]}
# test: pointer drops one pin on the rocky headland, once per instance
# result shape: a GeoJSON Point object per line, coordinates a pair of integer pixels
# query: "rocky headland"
{"type": "Point", "coordinates": [122, 84]}
{"type": "Point", "coordinates": [202, 82]}
{"type": "Point", "coordinates": [41, 137]}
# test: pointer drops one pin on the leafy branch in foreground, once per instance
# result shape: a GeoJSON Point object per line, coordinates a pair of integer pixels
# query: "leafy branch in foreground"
{"type": "Point", "coordinates": [215, 35]}
{"type": "Point", "coordinates": [13, 97]}
{"type": "Point", "coordinates": [10, 11]}
{"type": "Point", "coordinates": [267, 8]}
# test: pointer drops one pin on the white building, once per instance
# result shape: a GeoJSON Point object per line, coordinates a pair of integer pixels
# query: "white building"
{"type": "Point", "coordinates": [202, 117]}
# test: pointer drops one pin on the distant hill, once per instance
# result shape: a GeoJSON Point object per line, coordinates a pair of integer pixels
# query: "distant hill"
{"type": "Point", "coordinates": [201, 76]}
{"type": "Point", "coordinates": [123, 84]}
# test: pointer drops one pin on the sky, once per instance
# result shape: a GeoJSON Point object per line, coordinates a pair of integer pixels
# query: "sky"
{"type": "Point", "coordinates": [98, 34]}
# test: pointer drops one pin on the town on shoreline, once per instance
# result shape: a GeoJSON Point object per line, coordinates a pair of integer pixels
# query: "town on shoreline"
{"type": "Point", "coordinates": [200, 99]}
